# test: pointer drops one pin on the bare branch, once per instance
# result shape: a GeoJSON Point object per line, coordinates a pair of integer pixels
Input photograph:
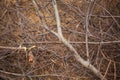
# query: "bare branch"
{"type": "Point", "coordinates": [60, 36]}
{"type": "Point", "coordinates": [14, 48]}
{"type": "Point", "coordinates": [57, 18]}
{"type": "Point", "coordinates": [72, 42]}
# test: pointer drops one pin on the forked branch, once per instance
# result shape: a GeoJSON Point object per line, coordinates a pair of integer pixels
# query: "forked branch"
{"type": "Point", "coordinates": [66, 43]}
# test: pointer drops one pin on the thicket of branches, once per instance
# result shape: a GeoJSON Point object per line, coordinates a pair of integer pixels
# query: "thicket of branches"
{"type": "Point", "coordinates": [59, 39]}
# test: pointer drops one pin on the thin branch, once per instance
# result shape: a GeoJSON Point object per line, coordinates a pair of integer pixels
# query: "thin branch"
{"type": "Point", "coordinates": [10, 73]}
{"type": "Point", "coordinates": [26, 75]}
{"type": "Point", "coordinates": [13, 48]}
{"type": "Point", "coordinates": [57, 17]}
{"type": "Point", "coordinates": [107, 69]}
{"type": "Point", "coordinates": [105, 16]}
{"type": "Point", "coordinates": [72, 42]}
{"type": "Point", "coordinates": [87, 30]}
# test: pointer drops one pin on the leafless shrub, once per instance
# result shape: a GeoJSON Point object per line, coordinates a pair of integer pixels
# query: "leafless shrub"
{"type": "Point", "coordinates": [59, 39]}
